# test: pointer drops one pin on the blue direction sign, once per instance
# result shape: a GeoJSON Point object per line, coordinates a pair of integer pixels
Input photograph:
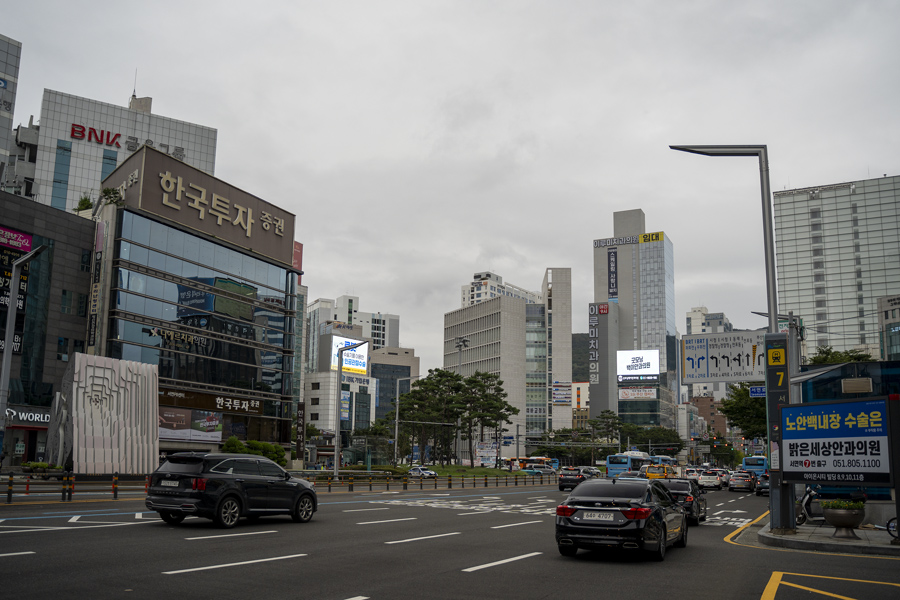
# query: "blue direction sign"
{"type": "Point", "coordinates": [757, 391]}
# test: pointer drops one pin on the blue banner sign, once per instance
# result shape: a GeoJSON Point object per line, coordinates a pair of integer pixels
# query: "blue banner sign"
{"type": "Point", "coordinates": [757, 391]}
{"type": "Point", "coordinates": [836, 443]}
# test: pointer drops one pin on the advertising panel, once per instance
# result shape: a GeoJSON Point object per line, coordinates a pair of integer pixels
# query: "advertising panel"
{"type": "Point", "coordinates": [638, 393]}
{"type": "Point", "coordinates": [345, 405]}
{"type": "Point", "coordinates": [595, 309]}
{"type": "Point", "coordinates": [187, 425]}
{"type": "Point", "coordinates": [562, 393]}
{"type": "Point", "coordinates": [612, 270]}
{"type": "Point", "coordinates": [637, 366]}
{"type": "Point", "coordinates": [729, 357]}
{"type": "Point", "coordinates": [836, 443]}
{"type": "Point", "coordinates": [355, 361]}
{"type": "Point", "coordinates": [13, 246]}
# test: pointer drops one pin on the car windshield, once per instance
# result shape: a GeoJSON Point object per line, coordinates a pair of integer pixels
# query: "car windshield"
{"type": "Point", "coordinates": [711, 473]}
{"type": "Point", "coordinates": [677, 486]}
{"type": "Point", "coordinates": [608, 489]}
{"type": "Point", "coordinates": [182, 464]}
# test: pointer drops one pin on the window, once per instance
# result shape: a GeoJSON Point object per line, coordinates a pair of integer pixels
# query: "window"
{"type": "Point", "coordinates": [66, 302]}
{"type": "Point", "coordinates": [856, 246]}
{"type": "Point", "coordinates": [818, 277]}
{"type": "Point", "coordinates": [314, 385]}
{"type": "Point", "coordinates": [859, 286]}
{"type": "Point", "coordinates": [820, 303]}
{"type": "Point", "coordinates": [862, 339]}
{"type": "Point", "coordinates": [855, 221]}
{"type": "Point", "coordinates": [853, 209]}
{"type": "Point", "coordinates": [818, 264]}
{"type": "Point", "coordinates": [86, 261]}
{"type": "Point", "coordinates": [819, 290]}
{"type": "Point", "coordinates": [815, 227]}
{"type": "Point", "coordinates": [77, 346]}
{"type": "Point", "coordinates": [820, 316]}
{"type": "Point", "coordinates": [817, 239]}
{"type": "Point", "coordinates": [818, 252]}
{"type": "Point", "coordinates": [815, 213]}
{"type": "Point", "coordinates": [62, 349]}
{"type": "Point", "coordinates": [313, 416]}
{"type": "Point", "coordinates": [314, 401]}
{"type": "Point", "coordinates": [859, 299]}
{"type": "Point", "coordinates": [862, 325]}
{"type": "Point", "coordinates": [82, 305]}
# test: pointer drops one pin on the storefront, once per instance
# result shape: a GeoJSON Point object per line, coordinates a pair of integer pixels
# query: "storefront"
{"type": "Point", "coordinates": [26, 434]}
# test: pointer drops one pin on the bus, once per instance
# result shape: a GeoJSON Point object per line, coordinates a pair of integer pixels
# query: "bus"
{"type": "Point", "coordinates": [757, 464]}
{"type": "Point", "coordinates": [626, 461]}
{"type": "Point", "coordinates": [520, 462]}
{"type": "Point", "coordinates": [664, 460]}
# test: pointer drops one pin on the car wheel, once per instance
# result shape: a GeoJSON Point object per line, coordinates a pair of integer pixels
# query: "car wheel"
{"type": "Point", "coordinates": [758, 493]}
{"type": "Point", "coordinates": [303, 510]}
{"type": "Point", "coordinates": [660, 553]}
{"type": "Point", "coordinates": [567, 550]}
{"type": "Point", "coordinates": [682, 541]}
{"type": "Point", "coordinates": [562, 489]}
{"type": "Point", "coordinates": [171, 518]}
{"type": "Point", "coordinates": [228, 512]}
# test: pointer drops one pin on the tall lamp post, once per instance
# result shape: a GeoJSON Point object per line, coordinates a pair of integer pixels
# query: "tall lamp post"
{"type": "Point", "coordinates": [397, 415]}
{"type": "Point", "coordinates": [337, 407]}
{"type": "Point", "coordinates": [461, 342]}
{"type": "Point", "coordinates": [9, 338]}
{"type": "Point", "coordinates": [781, 501]}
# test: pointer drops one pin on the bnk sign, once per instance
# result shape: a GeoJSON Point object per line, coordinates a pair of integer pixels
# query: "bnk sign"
{"type": "Point", "coordinates": [80, 132]}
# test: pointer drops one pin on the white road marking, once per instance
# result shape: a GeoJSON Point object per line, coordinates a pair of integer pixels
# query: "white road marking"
{"type": "Point", "coordinates": [359, 598]}
{"type": "Point", "coordinates": [74, 519]}
{"type": "Point", "coordinates": [213, 537]}
{"type": "Point", "coordinates": [17, 554]}
{"type": "Point", "coordinates": [365, 509]}
{"type": "Point", "coordinates": [501, 562]}
{"type": "Point", "coordinates": [388, 521]}
{"type": "Point", "coordinates": [237, 564]}
{"type": "Point", "coordinates": [516, 524]}
{"type": "Point", "coordinates": [428, 537]}
{"type": "Point", "coordinates": [729, 511]}
{"type": "Point", "coordinates": [477, 512]}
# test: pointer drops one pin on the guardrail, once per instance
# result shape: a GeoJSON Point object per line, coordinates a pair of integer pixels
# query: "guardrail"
{"type": "Point", "coordinates": [67, 485]}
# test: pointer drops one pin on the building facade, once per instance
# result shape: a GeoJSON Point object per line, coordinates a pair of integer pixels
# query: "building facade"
{"type": "Point", "coordinates": [634, 292]}
{"type": "Point", "coordinates": [380, 329]}
{"type": "Point", "coordinates": [52, 304]}
{"type": "Point", "coordinates": [487, 285]}
{"type": "Point", "coordinates": [837, 248]}
{"type": "Point", "coordinates": [700, 320]}
{"type": "Point", "coordinates": [80, 141]}
{"type": "Point", "coordinates": [528, 345]}
{"type": "Point", "coordinates": [10, 55]}
{"type": "Point", "coordinates": [200, 278]}
{"type": "Point", "coordinates": [395, 369]}
{"type": "Point", "coordinates": [889, 327]}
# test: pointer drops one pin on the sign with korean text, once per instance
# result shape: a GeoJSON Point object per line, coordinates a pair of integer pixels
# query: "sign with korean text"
{"type": "Point", "coordinates": [613, 272]}
{"type": "Point", "coordinates": [210, 402]}
{"type": "Point", "coordinates": [729, 357]}
{"type": "Point", "coordinates": [354, 361]}
{"type": "Point", "coordinates": [778, 392]}
{"type": "Point", "coordinates": [637, 366]}
{"type": "Point", "coordinates": [154, 182]}
{"type": "Point", "coordinates": [638, 393]}
{"type": "Point", "coordinates": [836, 443]}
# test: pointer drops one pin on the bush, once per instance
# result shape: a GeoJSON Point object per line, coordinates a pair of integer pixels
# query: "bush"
{"type": "Point", "coordinates": [273, 452]}
{"type": "Point", "coordinates": [843, 504]}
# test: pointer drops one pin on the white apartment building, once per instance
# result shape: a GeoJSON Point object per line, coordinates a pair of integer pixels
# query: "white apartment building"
{"type": "Point", "coordinates": [487, 285]}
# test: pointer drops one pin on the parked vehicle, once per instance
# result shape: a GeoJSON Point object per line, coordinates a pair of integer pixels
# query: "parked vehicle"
{"type": "Point", "coordinates": [421, 472]}
{"type": "Point", "coordinates": [710, 479]}
{"type": "Point", "coordinates": [225, 487]}
{"type": "Point", "coordinates": [689, 494]}
{"type": "Point", "coordinates": [539, 469]}
{"type": "Point", "coordinates": [570, 477]}
{"type": "Point", "coordinates": [620, 513]}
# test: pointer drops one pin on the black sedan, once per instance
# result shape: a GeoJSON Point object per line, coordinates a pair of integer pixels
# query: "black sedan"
{"type": "Point", "coordinates": [689, 494]}
{"type": "Point", "coordinates": [620, 513]}
{"type": "Point", "coordinates": [226, 487]}
{"type": "Point", "coordinates": [570, 477]}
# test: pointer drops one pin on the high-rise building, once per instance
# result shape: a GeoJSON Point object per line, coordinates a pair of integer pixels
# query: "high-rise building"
{"type": "Point", "coordinates": [837, 248]}
{"type": "Point", "coordinates": [527, 344]}
{"type": "Point", "coordinates": [395, 369]}
{"type": "Point", "coordinates": [487, 285]}
{"type": "Point", "coordinates": [634, 310]}
{"type": "Point", "coordinates": [79, 142]}
{"type": "Point", "coordinates": [10, 53]}
{"type": "Point", "coordinates": [381, 329]}
{"type": "Point", "coordinates": [700, 320]}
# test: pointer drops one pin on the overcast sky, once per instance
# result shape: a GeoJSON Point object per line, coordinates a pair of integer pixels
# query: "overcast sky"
{"type": "Point", "coordinates": [421, 142]}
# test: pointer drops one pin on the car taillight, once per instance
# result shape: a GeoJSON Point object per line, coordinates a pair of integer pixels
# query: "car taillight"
{"type": "Point", "coordinates": [198, 484]}
{"type": "Point", "coordinates": [565, 511]}
{"type": "Point", "coordinates": [689, 499]}
{"type": "Point", "coordinates": [636, 513]}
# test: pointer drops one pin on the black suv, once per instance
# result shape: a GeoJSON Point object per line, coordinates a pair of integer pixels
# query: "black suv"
{"type": "Point", "coordinates": [690, 495]}
{"type": "Point", "coordinates": [570, 477]}
{"type": "Point", "coordinates": [225, 487]}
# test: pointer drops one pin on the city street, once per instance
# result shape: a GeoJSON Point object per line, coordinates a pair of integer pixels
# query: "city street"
{"type": "Point", "coordinates": [485, 543]}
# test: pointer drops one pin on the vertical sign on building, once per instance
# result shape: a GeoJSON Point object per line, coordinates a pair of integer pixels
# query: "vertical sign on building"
{"type": "Point", "coordinates": [612, 259]}
{"type": "Point", "coordinates": [594, 312]}
{"type": "Point", "coordinates": [777, 392]}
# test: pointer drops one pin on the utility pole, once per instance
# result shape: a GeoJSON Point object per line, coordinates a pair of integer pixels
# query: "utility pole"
{"type": "Point", "coordinates": [461, 342]}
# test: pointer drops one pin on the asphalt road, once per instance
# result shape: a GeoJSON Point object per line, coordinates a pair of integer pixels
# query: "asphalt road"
{"type": "Point", "coordinates": [481, 543]}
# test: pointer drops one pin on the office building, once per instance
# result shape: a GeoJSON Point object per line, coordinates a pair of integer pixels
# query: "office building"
{"type": "Point", "coordinates": [487, 285]}
{"type": "Point", "coordinates": [527, 344]}
{"type": "Point", "coordinates": [52, 315]}
{"type": "Point", "coordinates": [10, 54]}
{"type": "Point", "coordinates": [889, 327]}
{"type": "Point", "coordinates": [395, 369]}
{"type": "Point", "coordinates": [200, 278]}
{"type": "Point", "coordinates": [837, 248]}
{"type": "Point", "coordinates": [634, 310]}
{"type": "Point", "coordinates": [80, 141]}
{"type": "Point", "coordinates": [381, 329]}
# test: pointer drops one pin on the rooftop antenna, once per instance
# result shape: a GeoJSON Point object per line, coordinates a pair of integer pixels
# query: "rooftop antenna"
{"type": "Point", "coordinates": [134, 93]}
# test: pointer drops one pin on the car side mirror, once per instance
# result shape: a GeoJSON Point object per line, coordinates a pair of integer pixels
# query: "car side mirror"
{"type": "Point", "coordinates": [287, 476]}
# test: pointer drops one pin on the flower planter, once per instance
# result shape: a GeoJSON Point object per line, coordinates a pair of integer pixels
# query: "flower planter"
{"type": "Point", "coordinates": [844, 521]}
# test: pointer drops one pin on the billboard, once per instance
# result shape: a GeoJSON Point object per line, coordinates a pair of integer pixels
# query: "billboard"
{"type": "Point", "coordinates": [836, 443]}
{"type": "Point", "coordinates": [638, 393]}
{"type": "Point", "coordinates": [355, 361]}
{"type": "Point", "coordinates": [189, 425]}
{"type": "Point", "coordinates": [561, 393]}
{"type": "Point", "coordinates": [729, 357]}
{"type": "Point", "coordinates": [637, 362]}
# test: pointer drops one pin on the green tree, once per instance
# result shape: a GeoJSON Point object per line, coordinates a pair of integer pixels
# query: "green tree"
{"type": "Point", "coordinates": [607, 424]}
{"type": "Point", "coordinates": [826, 355]}
{"type": "Point", "coordinates": [84, 203]}
{"type": "Point", "coordinates": [749, 414]}
{"type": "Point", "coordinates": [482, 404]}
{"type": "Point", "coordinates": [429, 411]}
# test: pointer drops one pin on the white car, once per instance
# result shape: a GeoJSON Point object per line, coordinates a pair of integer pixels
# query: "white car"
{"type": "Point", "coordinates": [421, 472]}
{"type": "Point", "coordinates": [710, 479]}
{"type": "Point", "coordinates": [692, 474]}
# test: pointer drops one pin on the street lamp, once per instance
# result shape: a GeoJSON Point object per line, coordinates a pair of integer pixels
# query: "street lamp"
{"type": "Point", "coordinates": [11, 311]}
{"type": "Point", "coordinates": [337, 406]}
{"type": "Point", "coordinates": [781, 500]}
{"type": "Point", "coordinates": [461, 342]}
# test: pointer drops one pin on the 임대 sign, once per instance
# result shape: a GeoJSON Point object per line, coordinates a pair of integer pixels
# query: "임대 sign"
{"type": "Point", "coordinates": [836, 443]}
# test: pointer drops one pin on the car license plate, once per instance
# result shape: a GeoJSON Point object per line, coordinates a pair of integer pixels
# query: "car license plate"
{"type": "Point", "coordinates": [168, 483]}
{"type": "Point", "coordinates": [597, 516]}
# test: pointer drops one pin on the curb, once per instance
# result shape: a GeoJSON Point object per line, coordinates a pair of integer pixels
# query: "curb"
{"type": "Point", "coordinates": [834, 546]}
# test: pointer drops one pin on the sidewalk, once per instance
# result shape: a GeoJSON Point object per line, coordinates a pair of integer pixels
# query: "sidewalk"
{"type": "Point", "coordinates": [817, 537]}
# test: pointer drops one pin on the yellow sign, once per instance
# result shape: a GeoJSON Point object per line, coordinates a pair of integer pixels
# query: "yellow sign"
{"type": "Point", "coordinates": [777, 357]}
{"type": "Point", "coordinates": [651, 237]}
